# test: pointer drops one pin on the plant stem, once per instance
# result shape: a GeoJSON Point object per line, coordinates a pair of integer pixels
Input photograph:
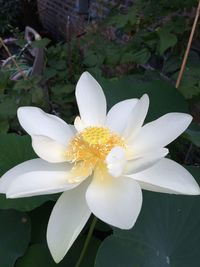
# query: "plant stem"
{"type": "Point", "coordinates": [87, 241]}
{"type": "Point", "coordinates": [12, 58]}
{"type": "Point", "coordinates": [188, 47]}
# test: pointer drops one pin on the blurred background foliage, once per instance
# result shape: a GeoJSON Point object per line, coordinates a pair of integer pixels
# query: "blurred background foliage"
{"type": "Point", "coordinates": [131, 51]}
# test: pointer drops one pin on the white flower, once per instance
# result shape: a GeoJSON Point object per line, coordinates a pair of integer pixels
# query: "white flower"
{"type": "Point", "coordinates": [101, 164]}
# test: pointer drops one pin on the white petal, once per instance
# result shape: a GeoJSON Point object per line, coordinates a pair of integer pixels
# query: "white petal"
{"type": "Point", "coordinates": [140, 164]}
{"type": "Point", "coordinates": [137, 117]}
{"type": "Point", "coordinates": [39, 183]}
{"type": "Point", "coordinates": [48, 149]}
{"type": "Point", "coordinates": [37, 122]}
{"type": "Point", "coordinates": [116, 161]}
{"type": "Point", "coordinates": [116, 201]}
{"type": "Point", "coordinates": [91, 100]}
{"type": "Point", "coordinates": [35, 177]}
{"type": "Point", "coordinates": [73, 129]}
{"type": "Point", "coordinates": [27, 166]}
{"type": "Point", "coordinates": [160, 132]}
{"type": "Point", "coordinates": [67, 219]}
{"type": "Point", "coordinates": [79, 124]}
{"type": "Point", "coordinates": [119, 114]}
{"type": "Point", "coordinates": [167, 176]}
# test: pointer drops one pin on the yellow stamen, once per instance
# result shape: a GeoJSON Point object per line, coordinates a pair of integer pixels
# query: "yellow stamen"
{"type": "Point", "coordinates": [89, 148]}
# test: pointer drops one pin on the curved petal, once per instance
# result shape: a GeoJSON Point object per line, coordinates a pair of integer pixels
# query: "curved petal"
{"type": "Point", "coordinates": [39, 183]}
{"type": "Point", "coordinates": [73, 129]}
{"type": "Point", "coordinates": [119, 114]}
{"type": "Point", "coordinates": [159, 133]}
{"type": "Point", "coordinates": [27, 166]}
{"type": "Point", "coordinates": [67, 219]}
{"type": "Point", "coordinates": [35, 177]}
{"type": "Point", "coordinates": [48, 149]}
{"type": "Point", "coordinates": [79, 124]}
{"type": "Point", "coordinates": [116, 161]}
{"type": "Point", "coordinates": [167, 176]}
{"type": "Point", "coordinates": [91, 100]}
{"type": "Point", "coordinates": [37, 122]}
{"type": "Point", "coordinates": [116, 201]}
{"type": "Point", "coordinates": [137, 117]}
{"type": "Point", "coordinates": [140, 164]}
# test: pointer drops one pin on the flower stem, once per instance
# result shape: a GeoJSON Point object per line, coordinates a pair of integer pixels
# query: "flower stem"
{"type": "Point", "coordinates": [87, 241]}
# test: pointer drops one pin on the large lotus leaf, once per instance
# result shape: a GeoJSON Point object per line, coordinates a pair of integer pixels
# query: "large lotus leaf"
{"type": "Point", "coordinates": [163, 96]}
{"type": "Point", "coordinates": [167, 233]}
{"type": "Point", "coordinates": [14, 150]}
{"type": "Point", "coordinates": [38, 255]}
{"type": "Point", "coordinates": [15, 231]}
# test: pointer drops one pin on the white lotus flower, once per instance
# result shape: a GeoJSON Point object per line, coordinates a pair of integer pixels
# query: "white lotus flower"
{"type": "Point", "coordinates": [101, 164]}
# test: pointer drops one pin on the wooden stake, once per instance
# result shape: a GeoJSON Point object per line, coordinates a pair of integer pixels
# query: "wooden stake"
{"type": "Point", "coordinates": [12, 58]}
{"type": "Point", "coordinates": [188, 47]}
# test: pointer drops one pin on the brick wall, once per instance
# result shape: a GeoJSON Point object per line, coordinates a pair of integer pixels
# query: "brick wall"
{"type": "Point", "coordinates": [66, 18]}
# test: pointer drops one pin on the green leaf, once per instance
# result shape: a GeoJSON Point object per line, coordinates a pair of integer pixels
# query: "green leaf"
{"type": "Point", "coordinates": [172, 64]}
{"type": "Point", "coordinates": [189, 91]}
{"type": "Point", "coordinates": [60, 65]}
{"type": "Point", "coordinates": [121, 20]}
{"type": "Point", "coordinates": [38, 255]}
{"type": "Point", "coordinates": [14, 150]}
{"type": "Point", "coordinates": [96, 71]}
{"type": "Point", "coordinates": [180, 25]}
{"type": "Point", "coordinates": [167, 40]}
{"type": "Point", "coordinates": [190, 85]}
{"type": "Point", "coordinates": [92, 59]}
{"type": "Point", "coordinates": [15, 231]}
{"type": "Point", "coordinates": [50, 73]}
{"type": "Point", "coordinates": [163, 96]}
{"type": "Point", "coordinates": [37, 95]}
{"type": "Point", "coordinates": [193, 134]}
{"type": "Point", "coordinates": [4, 126]}
{"type": "Point", "coordinates": [4, 80]}
{"type": "Point", "coordinates": [39, 220]}
{"type": "Point", "coordinates": [25, 204]}
{"type": "Point", "coordinates": [8, 108]}
{"type": "Point", "coordinates": [167, 233]}
{"type": "Point", "coordinates": [139, 57]}
{"type": "Point", "coordinates": [41, 43]}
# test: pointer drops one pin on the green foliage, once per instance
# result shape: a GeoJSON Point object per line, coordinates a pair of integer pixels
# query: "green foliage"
{"type": "Point", "coordinates": [41, 43]}
{"type": "Point", "coordinates": [166, 40]}
{"type": "Point", "coordinates": [15, 230]}
{"type": "Point", "coordinates": [63, 67]}
{"type": "Point", "coordinates": [193, 134]}
{"type": "Point", "coordinates": [8, 14]}
{"type": "Point", "coordinates": [190, 84]}
{"type": "Point", "coordinates": [19, 93]}
{"type": "Point", "coordinates": [42, 257]}
{"type": "Point", "coordinates": [143, 37]}
{"type": "Point", "coordinates": [124, 20]}
{"type": "Point", "coordinates": [53, 91]}
{"type": "Point", "coordinates": [139, 57]}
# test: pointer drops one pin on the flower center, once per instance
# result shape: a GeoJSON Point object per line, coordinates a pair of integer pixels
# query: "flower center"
{"type": "Point", "coordinates": [89, 148]}
{"type": "Point", "coordinates": [96, 135]}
